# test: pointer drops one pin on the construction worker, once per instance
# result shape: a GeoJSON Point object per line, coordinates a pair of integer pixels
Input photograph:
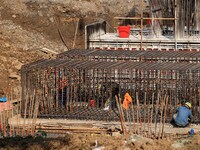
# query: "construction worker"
{"type": "Point", "coordinates": [183, 116]}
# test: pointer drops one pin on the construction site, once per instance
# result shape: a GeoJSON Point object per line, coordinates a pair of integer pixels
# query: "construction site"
{"type": "Point", "coordinates": [79, 75]}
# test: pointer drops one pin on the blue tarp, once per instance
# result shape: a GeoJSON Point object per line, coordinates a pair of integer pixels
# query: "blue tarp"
{"type": "Point", "coordinates": [3, 99]}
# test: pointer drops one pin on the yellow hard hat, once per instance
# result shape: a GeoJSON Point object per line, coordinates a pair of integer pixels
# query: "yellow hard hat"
{"type": "Point", "coordinates": [188, 104]}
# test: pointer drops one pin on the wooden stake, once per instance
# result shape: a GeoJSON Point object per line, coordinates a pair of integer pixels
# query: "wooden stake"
{"type": "Point", "coordinates": [2, 125]}
{"type": "Point", "coordinates": [161, 116]}
{"type": "Point", "coordinates": [121, 117]}
{"type": "Point", "coordinates": [4, 122]}
{"type": "Point", "coordinates": [145, 106]}
{"type": "Point", "coordinates": [35, 113]}
{"type": "Point", "coordinates": [133, 115]}
{"type": "Point", "coordinates": [156, 109]}
{"type": "Point", "coordinates": [24, 124]}
{"type": "Point", "coordinates": [148, 119]}
{"type": "Point", "coordinates": [120, 105]}
{"type": "Point", "coordinates": [166, 105]}
{"type": "Point", "coordinates": [138, 114]}
{"type": "Point", "coordinates": [18, 133]}
{"type": "Point", "coordinates": [151, 114]}
{"type": "Point", "coordinates": [74, 42]}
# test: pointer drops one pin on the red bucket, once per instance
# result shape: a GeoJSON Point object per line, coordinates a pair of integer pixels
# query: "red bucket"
{"type": "Point", "coordinates": [124, 31]}
{"type": "Point", "coordinates": [92, 103]}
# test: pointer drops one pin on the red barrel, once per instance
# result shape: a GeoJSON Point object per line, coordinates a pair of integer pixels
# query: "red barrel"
{"type": "Point", "coordinates": [92, 103]}
{"type": "Point", "coordinates": [124, 31]}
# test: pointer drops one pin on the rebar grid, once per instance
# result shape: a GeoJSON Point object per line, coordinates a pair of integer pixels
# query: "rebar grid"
{"type": "Point", "coordinates": [82, 89]}
{"type": "Point", "coordinates": [123, 55]}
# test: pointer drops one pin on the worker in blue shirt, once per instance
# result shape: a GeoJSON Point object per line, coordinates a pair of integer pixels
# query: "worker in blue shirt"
{"type": "Point", "coordinates": [183, 116]}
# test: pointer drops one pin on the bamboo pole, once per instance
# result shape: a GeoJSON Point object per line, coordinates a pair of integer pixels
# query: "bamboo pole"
{"type": "Point", "coordinates": [165, 111]}
{"type": "Point", "coordinates": [152, 114]}
{"type": "Point", "coordinates": [2, 125]}
{"type": "Point", "coordinates": [35, 112]}
{"type": "Point", "coordinates": [156, 109]}
{"type": "Point", "coordinates": [161, 116]}
{"type": "Point", "coordinates": [32, 100]}
{"type": "Point", "coordinates": [138, 115]}
{"type": "Point", "coordinates": [121, 116]}
{"type": "Point", "coordinates": [145, 106]}
{"type": "Point", "coordinates": [141, 32]}
{"type": "Point", "coordinates": [148, 114]}
{"type": "Point", "coordinates": [4, 122]}
{"type": "Point", "coordinates": [59, 32]}
{"type": "Point", "coordinates": [7, 117]}
{"type": "Point", "coordinates": [74, 42]}
{"type": "Point", "coordinates": [133, 115]}
{"type": "Point", "coordinates": [12, 128]}
{"type": "Point", "coordinates": [175, 25]}
{"type": "Point", "coordinates": [25, 111]}
{"type": "Point", "coordinates": [18, 105]}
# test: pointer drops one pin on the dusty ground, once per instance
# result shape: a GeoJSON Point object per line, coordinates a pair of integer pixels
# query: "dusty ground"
{"type": "Point", "coordinates": [96, 142]}
{"type": "Point", "coordinates": [110, 141]}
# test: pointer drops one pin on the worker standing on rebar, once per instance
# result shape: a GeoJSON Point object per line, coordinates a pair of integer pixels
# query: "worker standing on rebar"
{"type": "Point", "coordinates": [183, 116]}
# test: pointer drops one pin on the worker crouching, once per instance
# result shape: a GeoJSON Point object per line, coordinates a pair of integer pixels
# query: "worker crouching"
{"type": "Point", "coordinates": [183, 116]}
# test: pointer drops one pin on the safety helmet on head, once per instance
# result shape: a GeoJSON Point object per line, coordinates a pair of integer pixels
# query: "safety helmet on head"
{"type": "Point", "coordinates": [188, 104]}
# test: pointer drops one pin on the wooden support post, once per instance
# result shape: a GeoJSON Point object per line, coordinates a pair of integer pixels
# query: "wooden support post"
{"type": "Point", "coordinates": [165, 112]}
{"type": "Point", "coordinates": [156, 110]}
{"type": "Point", "coordinates": [133, 116]}
{"type": "Point", "coordinates": [151, 114]}
{"type": "Point", "coordinates": [141, 32]}
{"type": "Point", "coordinates": [74, 42]}
{"type": "Point", "coordinates": [1, 123]}
{"type": "Point", "coordinates": [161, 116]}
{"type": "Point", "coordinates": [145, 107]}
{"type": "Point", "coordinates": [121, 116]}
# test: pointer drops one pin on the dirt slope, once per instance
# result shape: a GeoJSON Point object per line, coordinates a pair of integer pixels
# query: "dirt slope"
{"type": "Point", "coordinates": [29, 25]}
